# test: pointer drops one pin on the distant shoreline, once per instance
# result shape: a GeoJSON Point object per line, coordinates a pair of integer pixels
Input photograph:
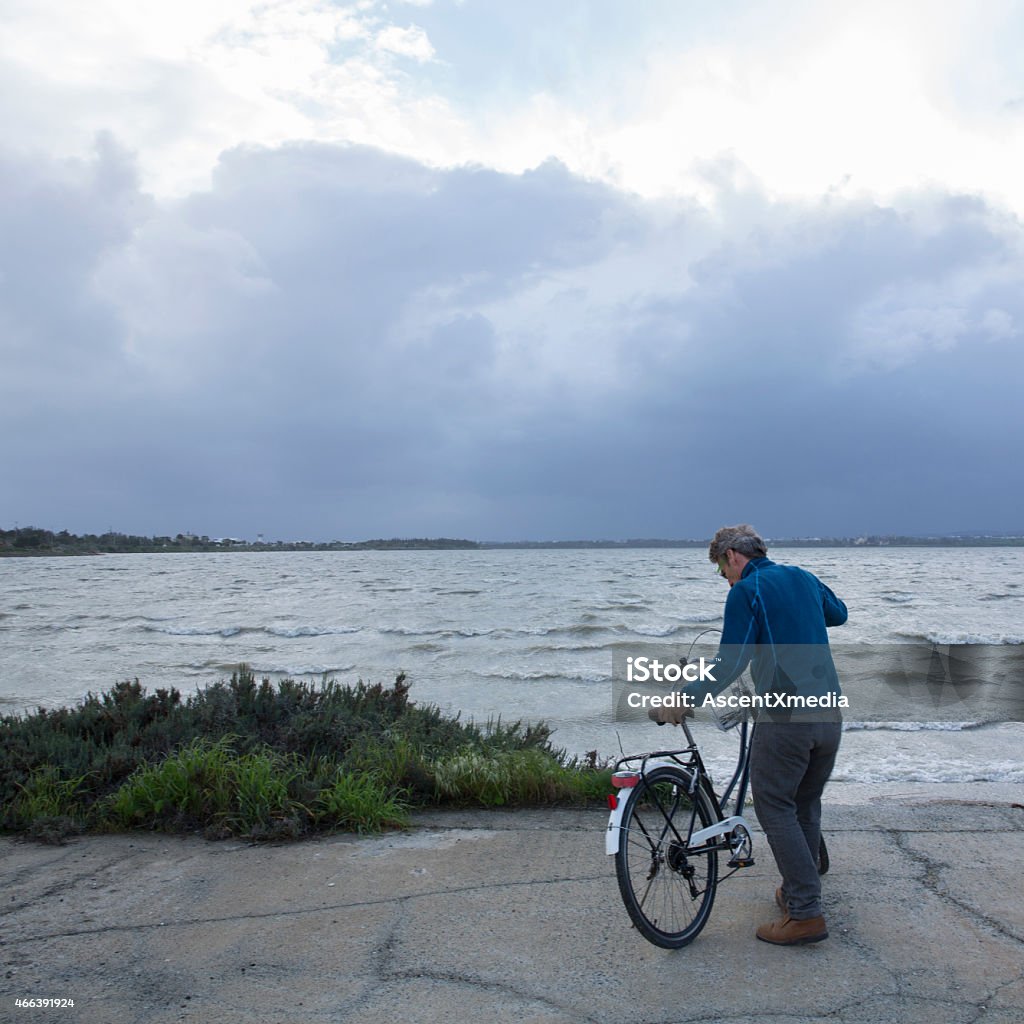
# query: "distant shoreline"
{"type": "Point", "coordinates": [35, 542]}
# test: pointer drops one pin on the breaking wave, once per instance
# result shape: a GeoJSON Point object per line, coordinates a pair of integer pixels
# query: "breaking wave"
{"type": "Point", "coordinates": [953, 638]}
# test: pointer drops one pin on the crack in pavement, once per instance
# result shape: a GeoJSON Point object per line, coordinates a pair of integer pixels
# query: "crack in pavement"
{"type": "Point", "coordinates": [373, 985]}
{"type": "Point", "coordinates": [271, 914]}
{"type": "Point", "coordinates": [931, 878]}
{"type": "Point", "coordinates": [386, 973]}
{"type": "Point", "coordinates": [984, 1004]}
{"type": "Point", "coordinates": [500, 987]}
{"type": "Point", "coordinates": [15, 877]}
{"type": "Point", "coordinates": [66, 884]}
{"type": "Point", "coordinates": [839, 1013]}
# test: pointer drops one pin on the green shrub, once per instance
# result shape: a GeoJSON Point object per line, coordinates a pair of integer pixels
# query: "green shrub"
{"type": "Point", "coordinates": [253, 758]}
{"type": "Point", "coordinates": [47, 803]}
{"type": "Point", "coordinates": [361, 802]}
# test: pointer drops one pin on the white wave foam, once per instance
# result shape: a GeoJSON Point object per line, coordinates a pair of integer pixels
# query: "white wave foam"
{"type": "Point", "coordinates": [854, 726]}
{"type": "Point", "coordinates": [585, 629]}
{"type": "Point", "coordinates": [291, 633]}
{"type": "Point", "coordinates": [545, 649]}
{"type": "Point", "coordinates": [226, 631]}
{"type": "Point", "coordinates": [301, 671]}
{"type": "Point", "coordinates": [434, 633]}
{"type": "Point", "coordinates": [959, 772]}
{"type": "Point", "coordinates": [659, 631]}
{"type": "Point", "coordinates": [954, 638]}
{"type": "Point", "coordinates": [543, 677]}
{"type": "Point", "coordinates": [996, 639]}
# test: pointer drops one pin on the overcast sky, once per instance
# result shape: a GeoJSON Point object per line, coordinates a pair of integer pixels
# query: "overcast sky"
{"type": "Point", "coordinates": [511, 270]}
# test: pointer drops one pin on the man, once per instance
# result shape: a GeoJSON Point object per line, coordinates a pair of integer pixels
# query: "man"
{"type": "Point", "coordinates": [775, 620]}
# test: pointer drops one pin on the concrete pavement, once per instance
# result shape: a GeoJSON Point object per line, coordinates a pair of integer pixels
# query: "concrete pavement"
{"type": "Point", "coordinates": [515, 916]}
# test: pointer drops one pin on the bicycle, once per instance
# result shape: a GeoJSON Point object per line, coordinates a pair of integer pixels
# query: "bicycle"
{"type": "Point", "coordinates": [666, 830]}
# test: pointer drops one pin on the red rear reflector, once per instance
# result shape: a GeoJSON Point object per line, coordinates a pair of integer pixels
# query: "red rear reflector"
{"type": "Point", "coordinates": [613, 801]}
{"type": "Point", "coordinates": [625, 780]}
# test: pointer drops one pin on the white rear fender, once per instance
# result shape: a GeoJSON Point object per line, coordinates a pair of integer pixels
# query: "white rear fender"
{"type": "Point", "coordinates": [611, 836]}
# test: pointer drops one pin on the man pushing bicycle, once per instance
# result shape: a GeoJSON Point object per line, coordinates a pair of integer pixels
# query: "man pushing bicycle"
{"type": "Point", "coordinates": [775, 621]}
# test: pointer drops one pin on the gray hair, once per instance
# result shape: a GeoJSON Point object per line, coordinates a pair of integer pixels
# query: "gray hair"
{"type": "Point", "coordinates": [742, 539]}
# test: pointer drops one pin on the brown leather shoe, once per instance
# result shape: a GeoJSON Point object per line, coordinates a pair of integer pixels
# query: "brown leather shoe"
{"type": "Point", "coordinates": [788, 932]}
{"type": "Point", "coordinates": [780, 900]}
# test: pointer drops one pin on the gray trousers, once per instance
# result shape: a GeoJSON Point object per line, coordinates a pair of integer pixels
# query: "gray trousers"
{"type": "Point", "coordinates": [790, 762]}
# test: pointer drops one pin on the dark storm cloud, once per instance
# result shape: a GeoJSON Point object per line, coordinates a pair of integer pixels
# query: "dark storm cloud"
{"type": "Point", "coordinates": [335, 342]}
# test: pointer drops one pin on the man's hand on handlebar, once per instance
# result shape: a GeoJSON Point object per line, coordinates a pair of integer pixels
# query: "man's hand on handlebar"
{"type": "Point", "coordinates": [669, 716]}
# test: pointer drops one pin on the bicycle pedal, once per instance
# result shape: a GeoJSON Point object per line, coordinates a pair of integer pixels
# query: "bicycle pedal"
{"type": "Point", "coordinates": [741, 845]}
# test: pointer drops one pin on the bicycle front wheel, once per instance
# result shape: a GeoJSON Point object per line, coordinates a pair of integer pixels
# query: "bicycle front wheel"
{"type": "Point", "coordinates": [667, 889]}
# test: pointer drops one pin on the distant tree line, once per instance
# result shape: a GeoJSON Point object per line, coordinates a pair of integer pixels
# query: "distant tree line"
{"type": "Point", "coordinates": [31, 540]}
{"type": "Point", "coordinates": [959, 540]}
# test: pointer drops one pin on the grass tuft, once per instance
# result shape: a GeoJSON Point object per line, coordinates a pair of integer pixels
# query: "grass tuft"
{"type": "Point", "coordinates": [47, 806]}
{"type": "Point", "coordinates": [517, 777]}
{"type": "Point", "coordinates": [208, 785]}
{"type": "Point", "coordinates": [362, 802]}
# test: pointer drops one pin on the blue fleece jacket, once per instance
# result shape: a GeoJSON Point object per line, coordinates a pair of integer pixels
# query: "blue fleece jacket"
{"type": "Point", "coordinates": [776, 616]}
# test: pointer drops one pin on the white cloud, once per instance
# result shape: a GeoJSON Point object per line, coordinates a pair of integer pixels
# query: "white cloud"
{"type": "Point", "coordinates": [857, 100]}
{"type": "Point", "coordinates": [999, 325]}
{"type": "Point", "coordinates": [406, 42]}
{"type": "Point", "coordinates": [179, 85]}
{"type": "Point", "coordinates": [867, 99]}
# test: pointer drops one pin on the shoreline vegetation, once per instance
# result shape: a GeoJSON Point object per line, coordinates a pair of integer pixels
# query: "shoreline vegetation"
{"type": "Point", "coordinates": [34, 541]}
{"type": "Point", "coordinates": [268, 761]}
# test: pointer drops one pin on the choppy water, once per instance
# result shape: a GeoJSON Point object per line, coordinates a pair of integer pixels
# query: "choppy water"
{"type": "Point", "coordinates": [518, 633]}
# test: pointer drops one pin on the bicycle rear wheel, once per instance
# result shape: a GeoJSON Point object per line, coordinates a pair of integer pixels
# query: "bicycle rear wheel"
{"type": "Point", "coordinates": [668, 892]}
